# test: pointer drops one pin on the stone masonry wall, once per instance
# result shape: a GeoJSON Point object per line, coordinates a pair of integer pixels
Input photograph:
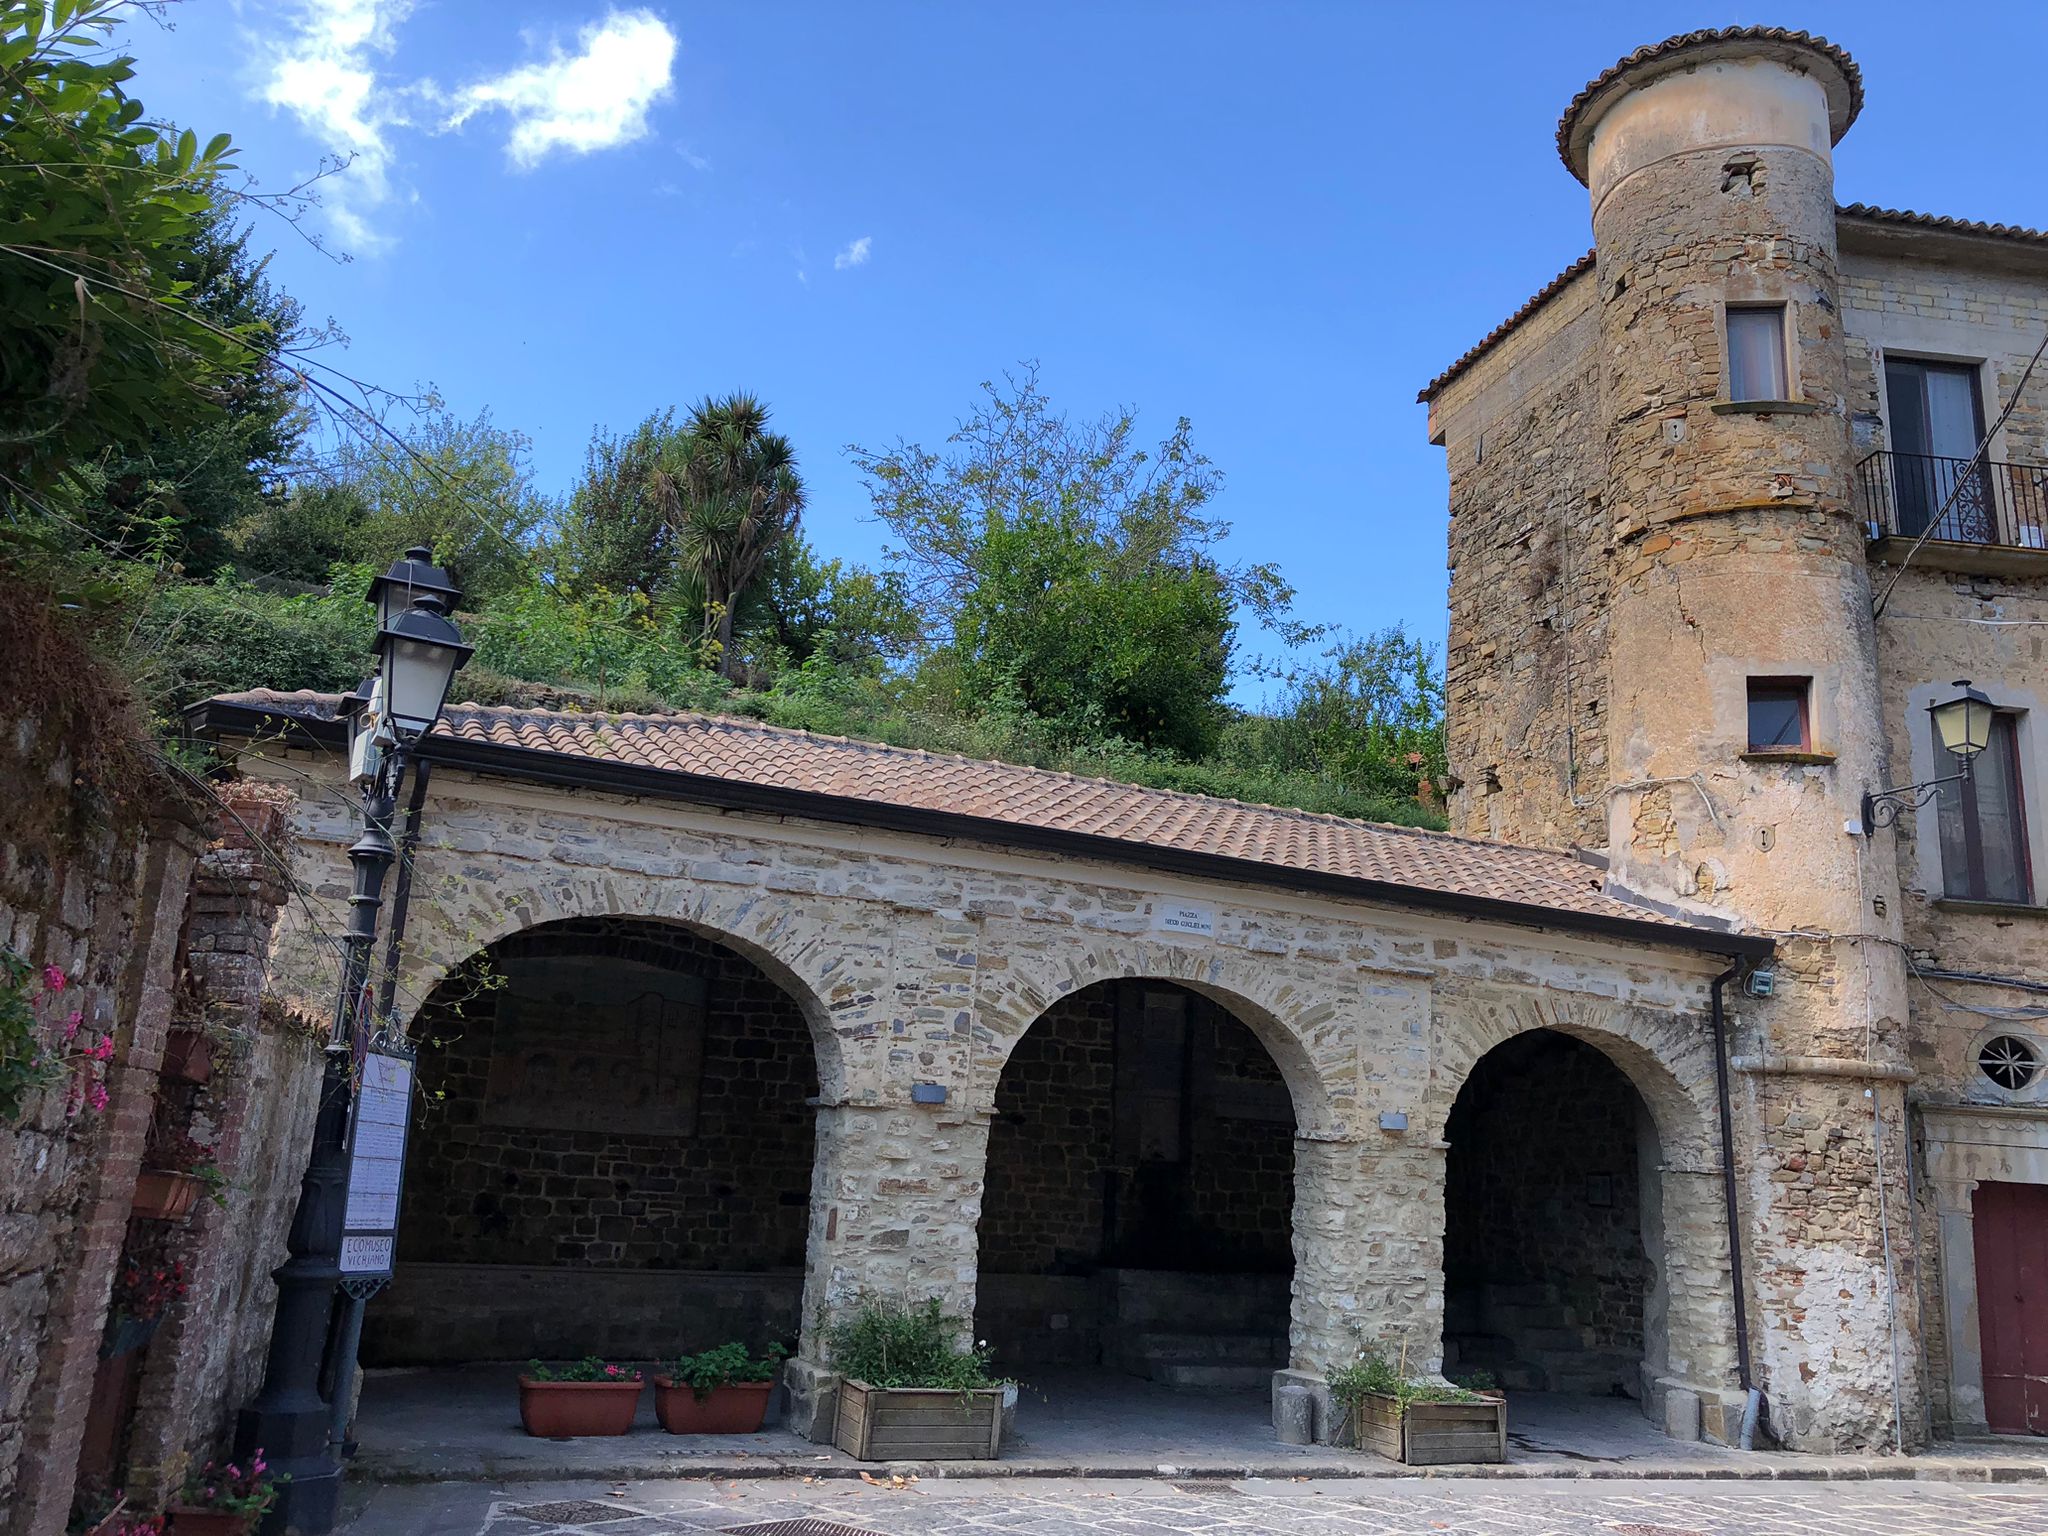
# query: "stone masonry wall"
{"type": "Point", "coordinates": [732, 1194]}
{"type": "Point", "coordinates": [1525, 668]}
{"type": "Point", "coordinates": [1056, 1172]}
{"type": "Point", "coordinates": [918, 967]}
{"type": "Point", "coordinates": [93, 910]}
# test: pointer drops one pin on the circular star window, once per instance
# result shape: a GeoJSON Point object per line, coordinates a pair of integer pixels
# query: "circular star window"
{"type": "Point", "coordinates": [2009, 1061]}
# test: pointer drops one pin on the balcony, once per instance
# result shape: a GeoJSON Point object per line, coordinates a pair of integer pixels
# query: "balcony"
{"type": "Point", "coordinates": [1992, 520]}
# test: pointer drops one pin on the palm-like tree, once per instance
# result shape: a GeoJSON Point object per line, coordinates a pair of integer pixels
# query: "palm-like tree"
{"type": "Point", "coordinates": [730, 490]}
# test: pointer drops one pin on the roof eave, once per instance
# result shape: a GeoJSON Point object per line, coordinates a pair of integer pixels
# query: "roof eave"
{"type": "Point", "coordinates": [215, 719]}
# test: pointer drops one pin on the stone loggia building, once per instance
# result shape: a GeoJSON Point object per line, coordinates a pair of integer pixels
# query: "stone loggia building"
{"type": "Point", "coordinates": [1719, 537]}
{"type": "Point", "coordinates": [1660, 1079]}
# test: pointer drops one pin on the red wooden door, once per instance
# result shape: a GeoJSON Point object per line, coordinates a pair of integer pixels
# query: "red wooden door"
{"type": "Point", "coordinates": [2012, 1304]}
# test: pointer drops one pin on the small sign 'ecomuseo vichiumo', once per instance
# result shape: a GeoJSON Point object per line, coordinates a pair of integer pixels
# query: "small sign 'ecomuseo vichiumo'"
{"type": "Point", "coordinates": [1189, 917]}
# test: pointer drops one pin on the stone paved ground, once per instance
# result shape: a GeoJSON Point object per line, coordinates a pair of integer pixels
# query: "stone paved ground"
{"type": "Point", "coordinates": [1059, 1507]}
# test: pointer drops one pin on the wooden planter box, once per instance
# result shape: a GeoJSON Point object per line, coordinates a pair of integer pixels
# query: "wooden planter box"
{"type": "Point", "coordinates": [557, 1410]}
{"type": "Point", "coordinates": [188, 1056]}
{"type": "Point", "coordinates": [161, 1195]}
{"type": "Point", "coordinates": [918, 1423]}
{"type": "Point", "coordinates": [1433, 1434]}
{"type": "Point", "coordinates": [734, 1409]}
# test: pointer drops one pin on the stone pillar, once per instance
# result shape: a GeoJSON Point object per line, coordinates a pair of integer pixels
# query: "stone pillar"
{"type": "Point", "coordinates": [895, 1200]}
{"type": "Point", "coordinates": [1739, 555]}
{"type": "Point", "coordinates": [207, 1356]}
{"type": "Point", "coordinates": [1368, 1261]}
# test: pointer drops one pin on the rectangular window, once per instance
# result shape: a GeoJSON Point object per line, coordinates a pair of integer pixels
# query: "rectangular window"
{"type": "Point", "coordinates": [1756, 352]}
{"type": "Point", "coordinates": [1983, 822]}
{"type": "Point", "coordinates": [1937, 420]}
{"type": "Point", "coordinates": [1778, 716]}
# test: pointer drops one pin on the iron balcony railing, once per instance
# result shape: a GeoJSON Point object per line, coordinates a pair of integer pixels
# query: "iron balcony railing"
{"type": "Point", "coordinates": [1905, 493]}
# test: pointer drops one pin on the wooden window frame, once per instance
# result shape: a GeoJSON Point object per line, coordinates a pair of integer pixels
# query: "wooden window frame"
{"type": "Point", "coordinates": [1975, 882]}
{"type": "Point", "coordinates": [1800, 686]}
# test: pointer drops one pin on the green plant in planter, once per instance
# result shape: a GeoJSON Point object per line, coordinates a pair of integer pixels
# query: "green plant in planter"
{"type": "Point", "coordinates": [589, 1368]}
{"type": "Point", "coordinates": [895, 1344]}
{"type": "Point", "coordinates": [724, 1366]}
{"type": "Point", "coordinates": [1373, 1375]}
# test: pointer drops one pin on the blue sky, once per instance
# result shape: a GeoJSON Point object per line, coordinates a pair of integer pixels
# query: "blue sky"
{"type": "Point", "coordinates": [1278, 219]}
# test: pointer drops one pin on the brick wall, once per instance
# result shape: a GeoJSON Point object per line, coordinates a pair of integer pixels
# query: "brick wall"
{"type": "Point", "coordinates": [256, 1108]}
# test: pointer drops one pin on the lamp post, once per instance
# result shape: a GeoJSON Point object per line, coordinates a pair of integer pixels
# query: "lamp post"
{"type": "Point", "coordinates": [419, 650]}
{"type": "Point", "coordinates": [1962, 726]}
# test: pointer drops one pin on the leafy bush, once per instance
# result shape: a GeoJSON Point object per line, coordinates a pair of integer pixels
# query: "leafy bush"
{"type": "Point", "coordinates": [1373, 1375]}
{"type": "Point", "coordinates": [201, 638]}
{"type": "Point", "coordinates": [705, 1373]}
{"type": "Point", "coordinates": [589, 1368]}
{"type": "Point", "coordinates": [894, 1344]}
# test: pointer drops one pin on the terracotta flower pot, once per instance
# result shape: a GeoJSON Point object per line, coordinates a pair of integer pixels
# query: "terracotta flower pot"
{"type": "Point", "coordinates": [736, 1409]}
{"type": "Point", "coordinates": [554, 1410]}
{"type": "Point", "coordinates": [161, 1195]}
{"type": "Point", "coordinates": [188, 1056]}
{"type": "Point", "coordinates": [208, 1522]}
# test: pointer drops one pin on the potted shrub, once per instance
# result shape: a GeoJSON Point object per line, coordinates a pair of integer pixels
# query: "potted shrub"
{"type": "Point", "coordinates": [142, 1291]}
{"type": "Point", "coordinates": [907, 1392]}
{"type": "Point", "coordinates": [1420, 1422]}
{"type": "Point", "coordinates": [176, 1172]}
{"type": "Point", "coordinates": [723, 1391]}
{"type": "Point", "coordinates": [188, 1054]}
{"type": "Point", "coordinates": [590, 1397]}
{"type": "Point", "coordinates": [224, 1499]}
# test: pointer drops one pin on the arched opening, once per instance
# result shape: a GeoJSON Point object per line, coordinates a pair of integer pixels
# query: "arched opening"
{"type": "Point", "coordinates": [612, 1155]}
{"type": "Point", "coordinates": [1137, 1219]}
{"type": "Point", "coordinates": [1554, 1225]}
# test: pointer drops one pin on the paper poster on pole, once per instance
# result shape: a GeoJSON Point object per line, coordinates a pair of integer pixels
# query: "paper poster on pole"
{"type": "Point", "coordinates": [376, 1164]}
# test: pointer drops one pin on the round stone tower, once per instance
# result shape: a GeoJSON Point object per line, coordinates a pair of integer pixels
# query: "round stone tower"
{"type": "Point", "coordinates": [1743, 707]}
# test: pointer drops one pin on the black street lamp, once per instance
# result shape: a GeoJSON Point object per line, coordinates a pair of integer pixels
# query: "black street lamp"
{"type": "Point", "coordinates": [419, 651]}
{"type": "Point", "coordinates": [1962, 726]}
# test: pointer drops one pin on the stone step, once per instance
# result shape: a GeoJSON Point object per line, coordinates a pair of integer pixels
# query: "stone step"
{"type": "Point", "coordinates": [1214, 1378]}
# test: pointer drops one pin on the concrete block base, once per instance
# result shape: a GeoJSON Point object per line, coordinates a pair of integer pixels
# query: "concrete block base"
{"type": "Point", "coordinates": [1328, 1424]}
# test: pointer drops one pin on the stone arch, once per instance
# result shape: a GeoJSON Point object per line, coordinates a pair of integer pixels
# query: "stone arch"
{"type": "Point", "coordinates": [1306, 1037]}
{"type": "Point", "coordinates": [1667, 1057]}
{"type": "Point", "coordinates": [793, 948]}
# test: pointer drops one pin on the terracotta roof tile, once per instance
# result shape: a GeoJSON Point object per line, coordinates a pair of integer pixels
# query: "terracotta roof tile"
{"type": "Point", "coordinates": [1904, 216]}
{"type": "Point", "coordinates": [1845, 99]}
{"type": "Point", "coordinates": [747, 752]}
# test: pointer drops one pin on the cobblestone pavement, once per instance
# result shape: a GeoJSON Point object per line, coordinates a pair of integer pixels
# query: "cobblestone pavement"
{"type": "Point", "coordinates": [1059, 1507]}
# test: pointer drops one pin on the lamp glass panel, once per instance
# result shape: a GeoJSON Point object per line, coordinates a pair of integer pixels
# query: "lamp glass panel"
{"type": "Point", "coordinates": [1963, 724]}
{"type": "Point", "coordinates": [416, 678]}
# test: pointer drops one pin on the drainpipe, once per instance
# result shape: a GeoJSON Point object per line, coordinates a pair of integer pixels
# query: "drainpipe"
{"type": "Point", "coordinates": [355, 1294]}
{"type": "Point", "coordinates": [1753, 1404]}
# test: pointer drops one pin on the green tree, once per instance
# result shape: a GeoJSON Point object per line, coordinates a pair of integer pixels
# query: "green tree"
{"type": "Point", "coordinates": [613, 533]}
{"type": "Point", "coordinates": [177, 492]}
{"type": "Point", "coordinates": [462, 488]}
{"type": "Point", "coordinates": [104, 338]}
{"type": "Point", "coordinates": [1066, 571]}
{"type": "Point", "coordinates": [804, 606]}
{"type": "Point", "coordinates": [729, 490]}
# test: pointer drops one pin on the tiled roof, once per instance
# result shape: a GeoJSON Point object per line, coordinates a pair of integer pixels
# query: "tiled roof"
{"type": "Point", "coordinates": [1943, 223]}
{"type": "Point", "coordinates": [745, 752]}
{"type": "Point", "coordinates": [1666, 56]}
{"type": "Point", "coordinates": [1904, 218]}
{"type": "Point", "coordinates": [1486, 343]}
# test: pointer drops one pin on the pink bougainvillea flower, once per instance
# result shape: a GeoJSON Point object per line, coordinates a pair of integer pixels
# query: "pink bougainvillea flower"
{"type": "Point", "coordinates": [54, 978]}
{"type": "Point", "coordinates": [104, 1051]}
{"type": "Point", "coordinates": [73, 1024]}
{"type": "Point", "coordinates": [96, 1096]}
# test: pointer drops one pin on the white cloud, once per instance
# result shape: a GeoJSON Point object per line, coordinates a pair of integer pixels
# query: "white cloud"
{"type": "Point", "coordinates": [324, 75]}
{"type": "Point", "coordinates": [855, 255]}
{"type": "Point", "coordinates": [580, 102]}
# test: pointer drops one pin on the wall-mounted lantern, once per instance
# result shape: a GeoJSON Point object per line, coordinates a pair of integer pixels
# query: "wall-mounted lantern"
{"type": "Point", "coordinates": [1963, 727]}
